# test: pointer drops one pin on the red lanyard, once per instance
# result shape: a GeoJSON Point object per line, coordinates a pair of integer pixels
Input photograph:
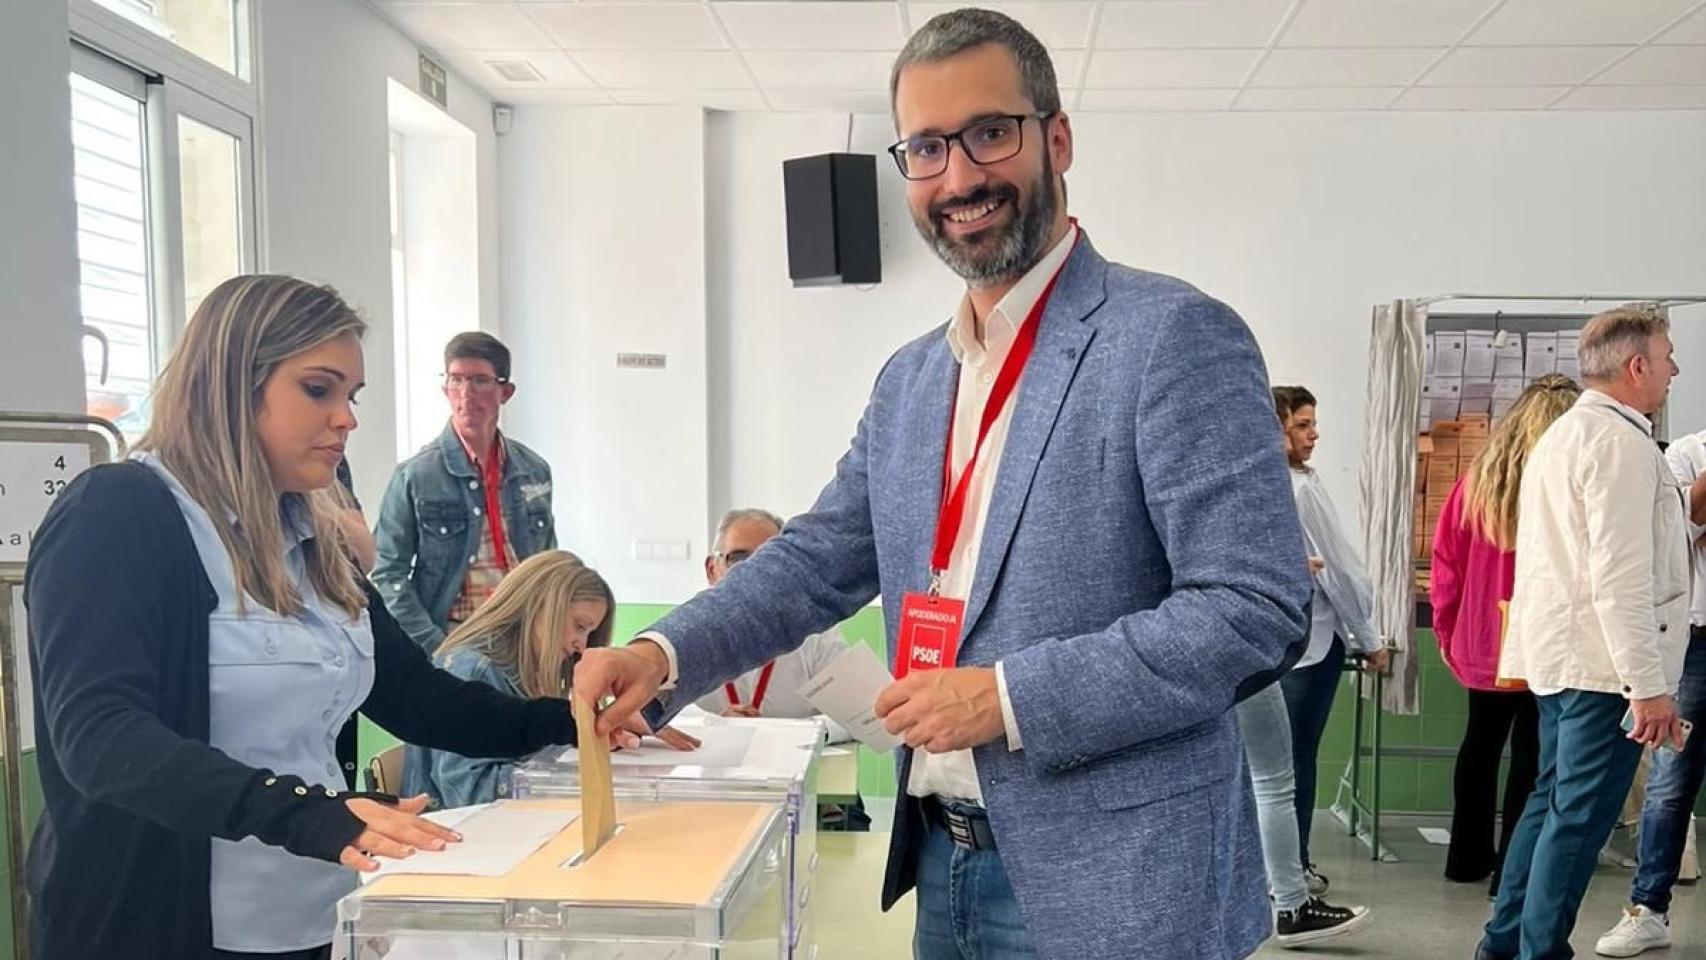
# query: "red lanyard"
{"type": "Point", "coordinates": [757, 692]}
{"type": "Point", "coordinates": [954, 494]}
{"type": "Point", "coordinates": [492, 473]}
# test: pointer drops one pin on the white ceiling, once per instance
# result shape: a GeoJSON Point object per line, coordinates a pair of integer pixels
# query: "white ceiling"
{"type": "Point", "coordinates": [1110, 55]}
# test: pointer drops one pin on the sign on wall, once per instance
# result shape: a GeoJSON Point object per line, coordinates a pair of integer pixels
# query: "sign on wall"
{"type": "Point", "coordinates": [32, 475]}
{"type": "Point", "coordinates": [435, 83]}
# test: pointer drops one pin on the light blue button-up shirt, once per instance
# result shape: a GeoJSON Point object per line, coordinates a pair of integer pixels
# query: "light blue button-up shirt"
{"type": "Point", "coordinates": [281, 689]}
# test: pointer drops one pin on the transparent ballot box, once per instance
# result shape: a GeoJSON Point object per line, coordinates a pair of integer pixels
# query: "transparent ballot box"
{"type": "Point", "coordinates": [739, 759]}
{"type": "Point", "coordinates": [678, 881]}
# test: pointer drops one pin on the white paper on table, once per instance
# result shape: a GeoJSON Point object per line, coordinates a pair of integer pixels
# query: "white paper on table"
{"type": "Point", "coordinates": [847, 690]}
{"type": "Point", "coordinates": [1509, 361]}
{"type": "Point", "coordinates": [1542, 355]}
{"type": "Point", "coordinates": [1448, 354]}
{"type": "Point", "coordinates": [495, 840]}
{"type": "Point", "coordinates": [1437, 836]}
{"type": "Point", "coordinates": [1479, 357]}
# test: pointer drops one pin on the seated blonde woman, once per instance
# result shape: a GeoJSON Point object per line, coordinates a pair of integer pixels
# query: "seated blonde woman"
{"type": "Point", "coordinates": [524, 639]}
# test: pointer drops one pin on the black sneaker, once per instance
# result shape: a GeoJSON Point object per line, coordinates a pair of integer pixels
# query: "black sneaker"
{"type": "Point", "coordinates": [1316, 920]}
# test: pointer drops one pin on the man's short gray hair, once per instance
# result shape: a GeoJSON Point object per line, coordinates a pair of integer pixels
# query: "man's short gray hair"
{"type": "Point", "coordinates": [957, 31]}
{"type": "Point", "coordinates": [1612, 337]}
{"type": "Point", "coordinates": [736, 516]}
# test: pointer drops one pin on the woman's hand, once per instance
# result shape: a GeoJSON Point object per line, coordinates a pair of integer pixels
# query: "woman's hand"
{"type": "Point", "coordinates": [393, 831]}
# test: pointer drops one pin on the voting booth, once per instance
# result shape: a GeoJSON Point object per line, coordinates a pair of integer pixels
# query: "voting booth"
{"type": "Point", "coordinates": [677, 881]}
{"type": "Point", "coordinates": [739, 759]}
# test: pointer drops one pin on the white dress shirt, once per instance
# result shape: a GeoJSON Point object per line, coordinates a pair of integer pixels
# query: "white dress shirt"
{"type": "Point", "coordinates": [1687, 459]}
{"type": "Point", "coordinates": [954, 774]}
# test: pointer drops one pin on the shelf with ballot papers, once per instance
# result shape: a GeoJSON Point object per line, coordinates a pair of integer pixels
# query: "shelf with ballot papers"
{"type": "Point", "coordinates": [738, 758]}
{"type": "Point", "coordinates": [678, 881]}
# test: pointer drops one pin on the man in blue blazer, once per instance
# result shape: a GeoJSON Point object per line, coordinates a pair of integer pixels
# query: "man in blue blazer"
{"type": "Point", "coordinates": [1121, 535]}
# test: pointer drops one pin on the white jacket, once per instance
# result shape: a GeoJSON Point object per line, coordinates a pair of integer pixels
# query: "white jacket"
{"type": "Point", "coordinates": [1602, 561]}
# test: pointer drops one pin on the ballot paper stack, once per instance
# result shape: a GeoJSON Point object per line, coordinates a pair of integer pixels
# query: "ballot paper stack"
{"type": "Point", "coordinates": [738, 759]}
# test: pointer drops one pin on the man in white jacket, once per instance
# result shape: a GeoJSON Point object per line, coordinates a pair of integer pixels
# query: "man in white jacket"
{"type": "Point", "coordinates": [1598, 624]}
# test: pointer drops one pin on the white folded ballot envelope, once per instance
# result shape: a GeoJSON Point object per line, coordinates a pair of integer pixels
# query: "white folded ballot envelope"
{"type": "Point", "coordinates": [846, 691]}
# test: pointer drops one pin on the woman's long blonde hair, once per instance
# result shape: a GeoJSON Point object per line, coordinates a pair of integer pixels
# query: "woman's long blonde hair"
{"type": "Point", "coordinates": [1495, 476]}
{"type": "Point", "coordinates": [203, 430]}
{"type": "Point", "coordinates": [521, 628]}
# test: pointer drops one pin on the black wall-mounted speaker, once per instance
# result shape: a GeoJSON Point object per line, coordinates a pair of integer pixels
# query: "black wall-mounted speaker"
{"type": "Point", "coordinates": [833, 234]}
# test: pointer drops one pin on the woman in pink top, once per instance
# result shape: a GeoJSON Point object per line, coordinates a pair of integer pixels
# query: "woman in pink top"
{"type": "Point", "coordinates": [1473, 566]}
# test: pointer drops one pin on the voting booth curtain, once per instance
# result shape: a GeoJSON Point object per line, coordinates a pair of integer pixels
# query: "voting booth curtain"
{"type": "Point", "coordinates": [1388, 482]}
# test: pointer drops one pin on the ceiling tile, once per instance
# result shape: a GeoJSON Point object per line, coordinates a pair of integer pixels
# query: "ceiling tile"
{"type": "Point", "coordinates": [1382, 23]}
{"type": "Point", "coordinates": [1541, 22]}
{"type": "Point", "coordinates": [629, 26]}
{"type": "Point", "coordinates": [1660, 65]}
{"type": "Point", "coordinates": [686, 69]}
{"type": "Point", "coordinates": [1343, 68]}
{"type": "Point", "coordinates": [796, 100]}
{"type": "Point", "coordinates": [1317, 98]}
{"type": "Point", "coordinates": [1064, 24]}
{"type": "Point", "coordinates": [1189, 23]}
{"type": "Point", "coordinates": [471, 26]}
{"type": "Point", "coordinates": [1520, 66]}
{"type": "Point", "coordinates": [1478, 98]}
{"type": "Point", "coordinates": [1169, 68]}
{"type": "Point", "coordinates": [1692, 30]}
{"type": "Point", "coordinates": [1154, 101]}
{"type": "Point", "coordinates": [828, 71]}
{"type": "Point", "coordinates": [553, 96]}
{"type": "Point", "coordinates": [733, 100]}
{"type": "Point", "coordinates": [555, 66]}
{"type": "Point", "coordinates": [812, 26]}
{"type": "Point", "coordinates": [1636, 98]}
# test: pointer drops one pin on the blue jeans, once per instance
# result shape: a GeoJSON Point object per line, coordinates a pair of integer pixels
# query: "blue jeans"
{"type": "Point", "coordinates": [1266, 727]}
{"type": "Point", "coordinates": [966, 908]}
{"type": "Point", "coordinates": [1309, 693]}
{"type": "Point", "coordinates": [1587, 765]}
{"type": "Point", "coordinates": [1671, 791]}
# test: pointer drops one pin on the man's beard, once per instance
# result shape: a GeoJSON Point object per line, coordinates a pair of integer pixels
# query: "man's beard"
{"type": "Point", "coordinates": [1005, 257]}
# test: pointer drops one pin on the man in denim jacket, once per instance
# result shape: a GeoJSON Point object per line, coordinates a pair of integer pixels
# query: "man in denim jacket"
{"type": "Point", "coordinates": [465, 509]}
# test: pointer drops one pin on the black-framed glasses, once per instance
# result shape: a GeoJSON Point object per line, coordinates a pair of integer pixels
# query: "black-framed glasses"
{"type": "Point", "coordinates": [477, 383]}
{"type": "Point", "coordinates": [990, 140]}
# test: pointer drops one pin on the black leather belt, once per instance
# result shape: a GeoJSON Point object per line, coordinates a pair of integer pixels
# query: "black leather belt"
{"type": "Point", "coordinates": [967, 824]}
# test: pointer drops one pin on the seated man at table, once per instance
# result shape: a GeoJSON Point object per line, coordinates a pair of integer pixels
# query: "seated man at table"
{"type": "Point", "coordinates": [772, 690]}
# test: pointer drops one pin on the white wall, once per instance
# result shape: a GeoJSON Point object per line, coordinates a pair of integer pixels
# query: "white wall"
{"type": "Point", "coordinates": [438, 194]}
{"type": "Point", "coordinates": [323, 74]}
{"type": "Point", "coordinates": [41, 366]}
{"type": "Point", "coordinates": [604, 217]}
{"type": "Point", "coordinates": [1300, 222]}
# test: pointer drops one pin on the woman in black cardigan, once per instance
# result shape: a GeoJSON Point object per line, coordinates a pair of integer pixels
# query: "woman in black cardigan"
{"type": "Point", "coordinates": [222, 534]}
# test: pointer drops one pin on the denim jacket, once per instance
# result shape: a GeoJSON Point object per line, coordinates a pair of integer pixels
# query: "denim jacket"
{"type": "Point", "coordinates": [429, 533]}
{"type": "Point", "coordinates": [451, 779]}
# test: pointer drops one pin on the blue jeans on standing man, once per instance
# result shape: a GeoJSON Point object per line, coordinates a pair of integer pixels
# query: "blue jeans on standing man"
{"type": "Point", "coordinates": [1672, 789]}
{"type": "Point", "coordinates": [1587, 764]}
{"type": "Point", "coordinates": [966, 907]}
